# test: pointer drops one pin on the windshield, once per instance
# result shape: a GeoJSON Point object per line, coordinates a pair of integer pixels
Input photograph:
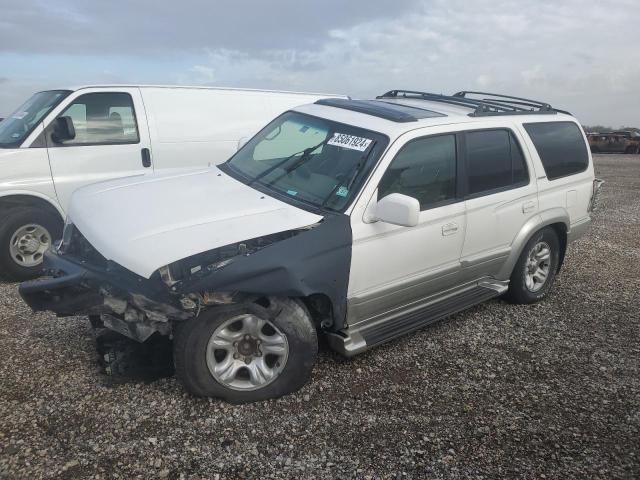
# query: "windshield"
{"type": "Point", "coordinates": [309, 159]}
{"type": "Point", "coordinates": [17, 126]}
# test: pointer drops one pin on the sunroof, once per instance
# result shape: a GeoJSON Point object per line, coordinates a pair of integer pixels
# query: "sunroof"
{"type": "Point", "coordinates": [388, 111]}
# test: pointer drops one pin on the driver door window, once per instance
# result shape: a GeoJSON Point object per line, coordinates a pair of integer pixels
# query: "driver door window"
{"type": "Point", "coordinates": [424, 169]}
{"type": "Point", "coordinates": [103, 119]}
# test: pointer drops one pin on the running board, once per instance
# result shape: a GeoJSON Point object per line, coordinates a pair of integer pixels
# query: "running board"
{"type": "Point", "coordinates": [351, 341]}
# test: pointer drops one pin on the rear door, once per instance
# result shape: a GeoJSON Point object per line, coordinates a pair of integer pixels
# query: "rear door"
{"type": "Point", "coordinates": [112, 140]}
{"type": "Point", "coordinates": [501, 196]}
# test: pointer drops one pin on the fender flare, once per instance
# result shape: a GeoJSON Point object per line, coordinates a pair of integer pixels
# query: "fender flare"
{"type": "Point", "coordinates": [541, 220]}
{"type": "Point", "coordinates": [28, 193]}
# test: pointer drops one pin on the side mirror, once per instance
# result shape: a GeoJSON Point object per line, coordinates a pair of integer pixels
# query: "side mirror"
{"type": "Point", "coordinates": [63, 129]}
{"type": "Point", "coordinates": [398, 209]}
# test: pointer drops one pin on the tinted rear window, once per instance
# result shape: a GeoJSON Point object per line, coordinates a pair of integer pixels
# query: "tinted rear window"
{"type": "Point", "coordinates": [561, 147]}
{"type": "Point", "coordinates": [494, 161]}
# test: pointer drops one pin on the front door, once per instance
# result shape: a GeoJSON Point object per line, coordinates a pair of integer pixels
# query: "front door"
{"type": "Point", "coordinates": [111, 141]}
{"type": "Point", "coordinates": [395, 267]}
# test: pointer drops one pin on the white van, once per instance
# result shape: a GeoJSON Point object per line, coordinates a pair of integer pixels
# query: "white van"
{"type": "Point", "coordinates": [60, 140]}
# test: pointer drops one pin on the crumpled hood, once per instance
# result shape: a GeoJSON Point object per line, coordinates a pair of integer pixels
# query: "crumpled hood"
{"type": "Point", "coordinates": [143, 223]}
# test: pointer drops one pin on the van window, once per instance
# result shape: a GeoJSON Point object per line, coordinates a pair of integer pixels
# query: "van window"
{"type": "Point", "coordinates": [103, 119]}
{"type": "Point", "coordinates": [494, 161]}
{"type": "Point", "coordinates": [560, 146]}
{"type": "Point", "coordinates": [424, 169]}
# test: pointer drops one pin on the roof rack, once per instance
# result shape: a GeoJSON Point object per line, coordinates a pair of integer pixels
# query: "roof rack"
{"type": "Point", "coordinates": [494, 105]}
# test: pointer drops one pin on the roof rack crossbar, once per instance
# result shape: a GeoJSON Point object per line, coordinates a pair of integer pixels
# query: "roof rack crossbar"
{"type": "Point", "coordinates": [452, 100]}
{"type": "Point", "coordinates": [495, 104]}
{"type": "Point", "coordinates": [504, 98]}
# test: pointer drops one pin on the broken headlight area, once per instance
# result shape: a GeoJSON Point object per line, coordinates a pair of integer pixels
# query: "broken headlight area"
{"type": "Point", "coordinates": [208, 262]}
{"type": "Point", "coordinates": [74, 243]}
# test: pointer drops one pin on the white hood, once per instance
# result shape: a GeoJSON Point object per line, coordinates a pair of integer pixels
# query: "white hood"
{"type": "Point", "coordinates": [146, 222]}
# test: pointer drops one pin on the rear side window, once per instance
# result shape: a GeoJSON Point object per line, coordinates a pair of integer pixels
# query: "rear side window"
{"type": "Point", "coordinates": [560, 146]}
{"type": "Point", "coordinates": [102, 119]}
{"type": "Point", "coordinates": [494, 161]}
{"type": "Point", "coordinates": [424, 169]}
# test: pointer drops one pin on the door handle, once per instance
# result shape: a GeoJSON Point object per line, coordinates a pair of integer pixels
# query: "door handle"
{"type": "Point", "coordinates": [146, 157]}
{"type": "Point", "coordinates": [528, 207]}
{"type": "Point", "coordinates": [449, 229]}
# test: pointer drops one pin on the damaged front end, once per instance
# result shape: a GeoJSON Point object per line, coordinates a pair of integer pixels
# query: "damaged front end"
{"type": "Point", "coordinates": [80, 281]}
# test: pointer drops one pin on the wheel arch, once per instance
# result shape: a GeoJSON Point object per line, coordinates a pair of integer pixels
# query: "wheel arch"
{"type": "Point", "coordinates": [556, 218]}
{"type": "Point", "coordinates": [13, 200]}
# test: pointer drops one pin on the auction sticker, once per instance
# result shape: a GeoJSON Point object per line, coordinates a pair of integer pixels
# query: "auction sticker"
{"type": "Point", "coordinates": [349, 141]}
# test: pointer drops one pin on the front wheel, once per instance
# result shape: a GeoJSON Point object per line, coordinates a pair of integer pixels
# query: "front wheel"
{"type": "Point", "coordinates": [536, 268]}
{"type": "Point", "coordinates": [248, 352]}
{"type": "Point", "coordinates": [25, 234]}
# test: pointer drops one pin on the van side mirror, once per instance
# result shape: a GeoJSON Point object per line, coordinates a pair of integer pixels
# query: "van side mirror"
{"type": "Point", "coordinates": [398, 209]}
{"type": "Point", "coordinates": [63, 129]}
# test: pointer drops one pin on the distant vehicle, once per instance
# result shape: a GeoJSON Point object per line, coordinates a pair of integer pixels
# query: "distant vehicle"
{"type": "Point", "coordinates": [60, 140]}
{"type": "Point", "coordinates": [614, 142]}
{"type": "Point", "coordinates": [359, 220]}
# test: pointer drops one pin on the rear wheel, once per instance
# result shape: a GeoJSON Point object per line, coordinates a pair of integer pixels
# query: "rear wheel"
{"type": "Point", "coordinates": [25, 234]}
{"type": "Point", "coordinates": [535, 271]}
{"type": "Point", "coordinates": [248, 352]}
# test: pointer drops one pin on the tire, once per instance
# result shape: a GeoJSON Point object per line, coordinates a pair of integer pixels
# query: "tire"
{"type": "Point", "coordinates": [12, 223]}
{"type": "Point", "coordinates": [519, 290]}
{"type": "Point", "coordinates": [195, 358]}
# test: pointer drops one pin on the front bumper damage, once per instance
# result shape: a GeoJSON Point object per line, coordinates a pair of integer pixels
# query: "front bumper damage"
{"type": "Point", "coordinates": [126, 303]}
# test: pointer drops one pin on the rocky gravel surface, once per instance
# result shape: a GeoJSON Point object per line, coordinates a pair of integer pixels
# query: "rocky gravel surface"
{"type": "Point", "coordinates": [500, 391]}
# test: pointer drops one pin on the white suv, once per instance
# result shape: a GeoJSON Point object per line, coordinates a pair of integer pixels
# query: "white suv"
{"type": "Point", "coordinates": [360, 220]}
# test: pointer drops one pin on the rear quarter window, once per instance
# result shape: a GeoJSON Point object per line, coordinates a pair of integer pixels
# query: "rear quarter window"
{"type": "Point", "coordinates": [561, 147]}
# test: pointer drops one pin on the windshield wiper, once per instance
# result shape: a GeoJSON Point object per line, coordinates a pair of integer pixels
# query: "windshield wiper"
{"type": "Point", "coordinates": [352, 176]}
{"type": "Point", "coordinates": [305, 153]}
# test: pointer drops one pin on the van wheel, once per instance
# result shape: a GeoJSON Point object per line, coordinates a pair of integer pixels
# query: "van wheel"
{"type": "Point", "coordinates": [25, 234]}
{"type": "Point", "coordinates": [248, 352]}
{"type": "Point", "coordinates": [536, 268]}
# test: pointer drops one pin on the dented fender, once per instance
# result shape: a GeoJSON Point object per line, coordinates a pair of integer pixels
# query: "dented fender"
{"type": "Point", "coordinates": [315, 261]}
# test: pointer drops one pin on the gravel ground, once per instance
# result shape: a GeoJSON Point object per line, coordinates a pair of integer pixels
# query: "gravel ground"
{"type": "Point", "coordinates": [544, 391]}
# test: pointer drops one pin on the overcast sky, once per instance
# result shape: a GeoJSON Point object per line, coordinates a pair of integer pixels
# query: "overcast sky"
{"type": "Point", "coordinates": [580, 55]}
